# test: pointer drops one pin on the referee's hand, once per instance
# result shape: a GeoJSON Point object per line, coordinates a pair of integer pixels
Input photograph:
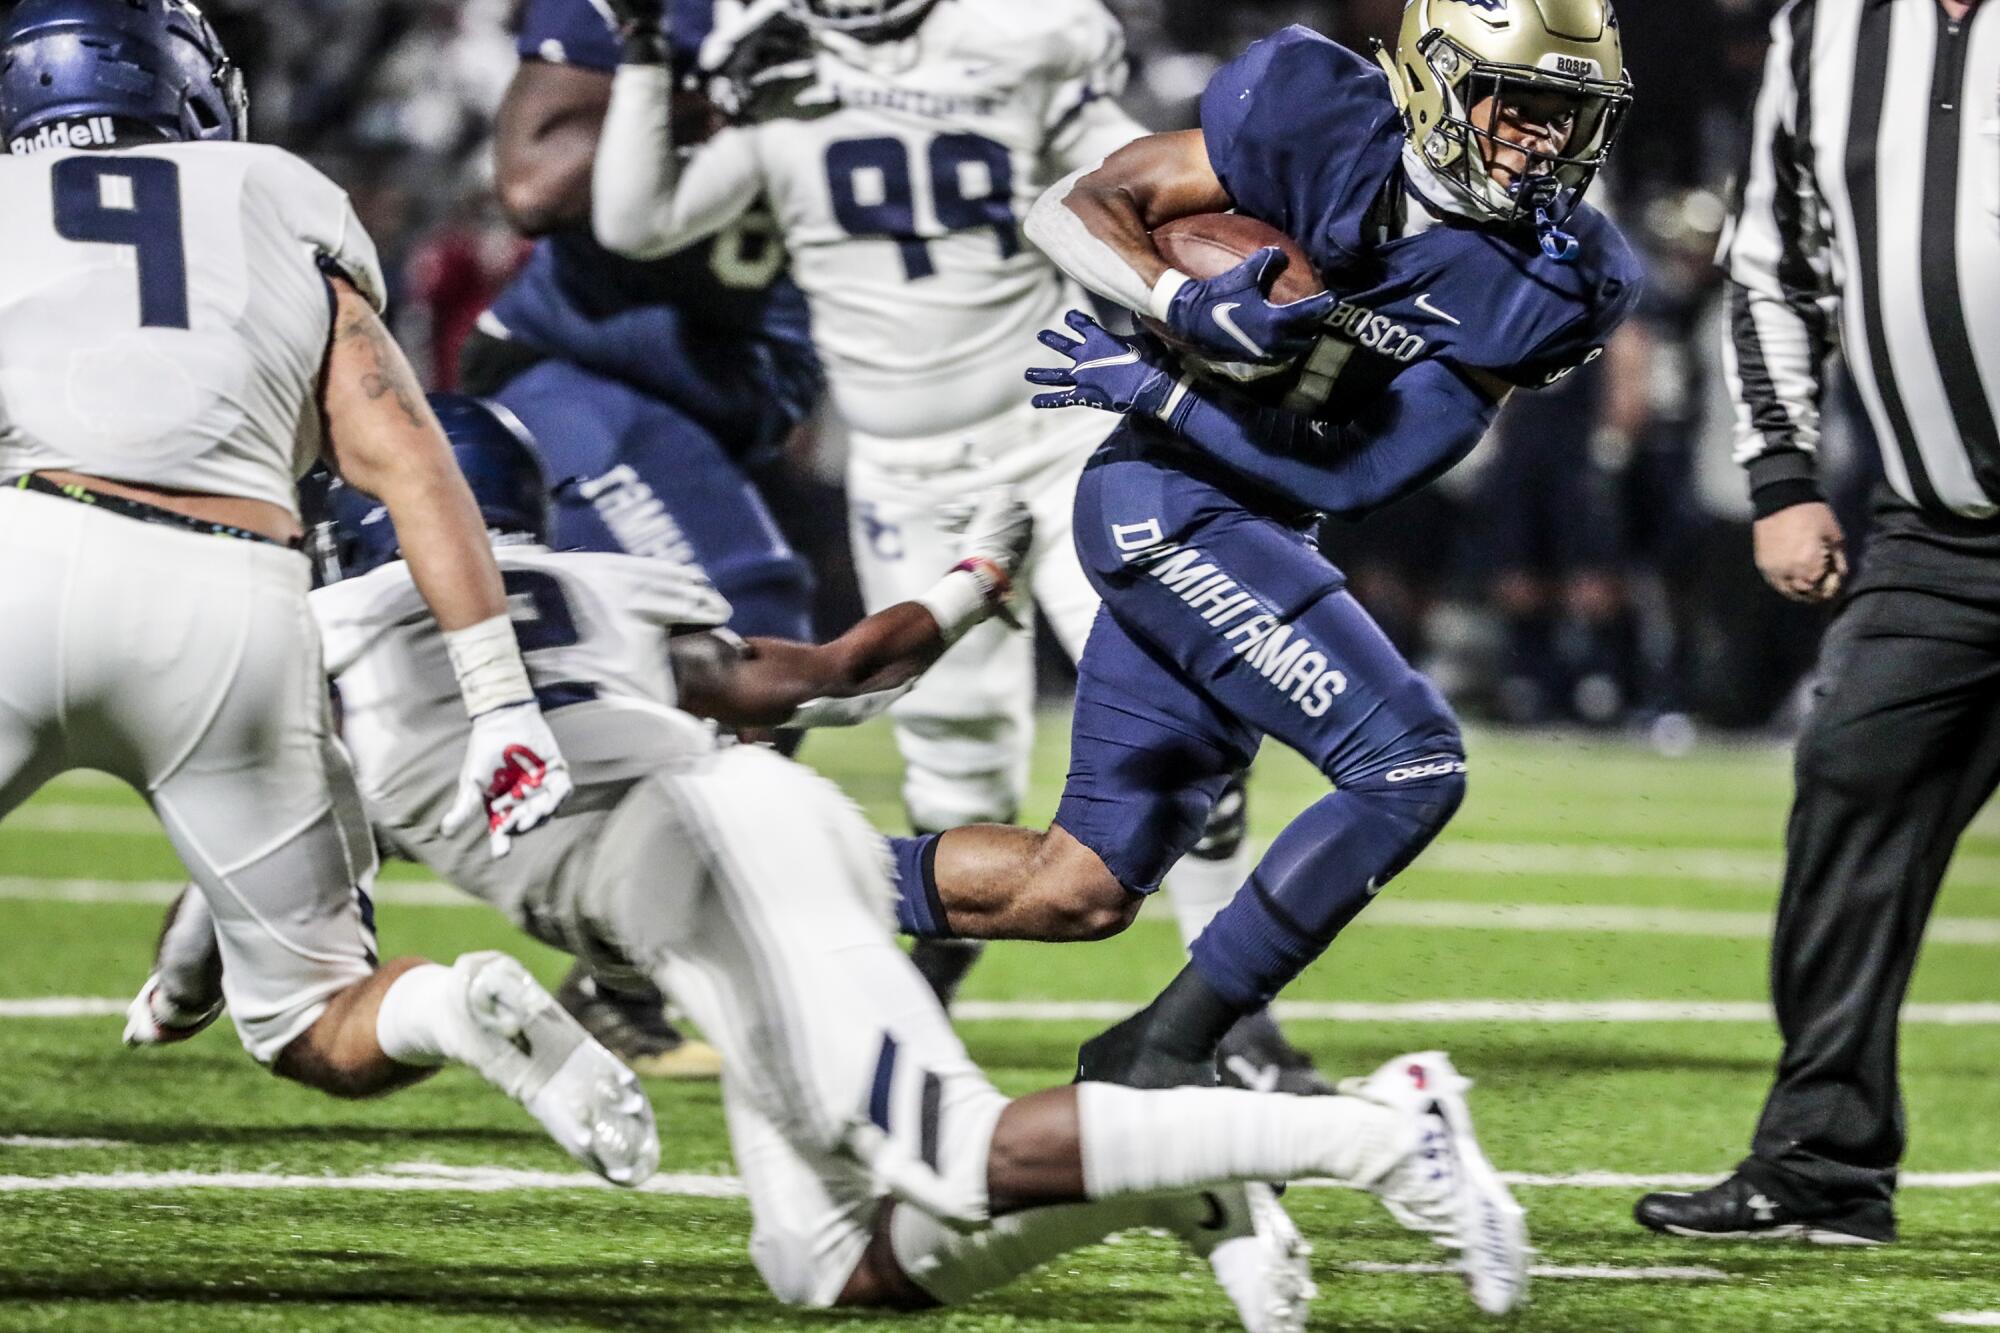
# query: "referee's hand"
{"type": "Point", "coordinates": [1801, 552]}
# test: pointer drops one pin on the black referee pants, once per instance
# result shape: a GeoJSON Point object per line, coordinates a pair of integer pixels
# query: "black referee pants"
{"type": "Point", "coordinates": [1901, 751]}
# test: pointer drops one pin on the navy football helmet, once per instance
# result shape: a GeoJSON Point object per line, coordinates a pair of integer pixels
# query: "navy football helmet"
{"type": "Point", "coordinates": [351, 531]}
{"type": "Point", "coordinates": [156, 63]}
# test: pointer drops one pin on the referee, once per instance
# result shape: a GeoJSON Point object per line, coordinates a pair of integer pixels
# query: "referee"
{"type": "Point", "coordinates": [1870, 210]}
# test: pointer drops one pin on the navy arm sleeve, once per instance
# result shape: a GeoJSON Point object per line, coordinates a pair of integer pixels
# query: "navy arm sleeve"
{"type": "Point", "coordinates": [1423, 423]}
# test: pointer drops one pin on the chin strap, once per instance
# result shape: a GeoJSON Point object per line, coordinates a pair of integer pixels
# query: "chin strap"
{"type": "Point", "coordinates": [1544, 194]}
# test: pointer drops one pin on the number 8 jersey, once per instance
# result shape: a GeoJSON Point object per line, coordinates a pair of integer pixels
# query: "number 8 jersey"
{"type": "Point", "coordinates": [164, 315]}
{"type": "Point", "coordinates": [901, 208]}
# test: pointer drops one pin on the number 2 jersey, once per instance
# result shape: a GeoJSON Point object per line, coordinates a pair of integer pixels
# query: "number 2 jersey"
{"type": "Point", "coordinates": [593, 630]}
{"type": "Point", "coordinates": [900, 207]}
{"type": "Point", "coordinates": [164, 314]}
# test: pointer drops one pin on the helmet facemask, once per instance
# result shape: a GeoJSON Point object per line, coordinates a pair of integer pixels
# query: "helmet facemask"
{"type": "Point", "coordinates": [1460, 148]}
{"type": "Point", "coordinates": [864, 20]}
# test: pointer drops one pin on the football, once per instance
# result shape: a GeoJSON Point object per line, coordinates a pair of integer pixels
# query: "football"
{"type": "Point", "coordinates": [1208, 244]}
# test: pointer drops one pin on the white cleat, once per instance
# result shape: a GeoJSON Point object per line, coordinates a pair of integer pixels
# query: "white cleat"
{"type": "Point", "coordinates": [154, 1020]}
{"type": "Point", "coordinates": [1443, 1184]}
{"type": "Point", "coordinates": [1256, 1253]}
{"type": "Point", "coordinates": [584, 1096]}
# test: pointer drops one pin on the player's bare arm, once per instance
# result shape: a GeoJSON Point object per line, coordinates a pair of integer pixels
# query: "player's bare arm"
{"type": "Point", "coordinates": [777, 683]}
{"type": "Point", "coordinates": [385, 440]}
{"type": "Point", "coordinates": [765, 682]}
{"type": "Point", "coordinates": [545, 140]}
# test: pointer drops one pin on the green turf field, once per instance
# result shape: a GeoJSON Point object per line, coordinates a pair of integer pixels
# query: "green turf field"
{"type": "Point", "coordinates": [1607, 905]}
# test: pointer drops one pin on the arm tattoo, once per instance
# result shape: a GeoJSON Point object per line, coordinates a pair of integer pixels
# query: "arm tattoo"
{"type": "Point", "coordinates": [391, 376]}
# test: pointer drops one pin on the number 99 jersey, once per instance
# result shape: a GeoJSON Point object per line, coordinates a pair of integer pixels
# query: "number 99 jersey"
{"type": "Point", "coordinates": [164, 314]}
{"type": "Point", "coordinates": [901, 208]}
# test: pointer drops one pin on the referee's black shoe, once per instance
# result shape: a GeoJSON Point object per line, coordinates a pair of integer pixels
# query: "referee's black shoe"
{"type": "Point", "coordinates": [1738, 1210]}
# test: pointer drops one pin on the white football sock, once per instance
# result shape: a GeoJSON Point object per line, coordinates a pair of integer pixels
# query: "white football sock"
{"type": "Point", "coordinates": [1199, 889]}
{"type": "Point", "coordinates": [954, 1266]}
{"type": "Point", "coordinates": [423, 1019]}
{"type": "Point", "coordinates": [1136, 1141]}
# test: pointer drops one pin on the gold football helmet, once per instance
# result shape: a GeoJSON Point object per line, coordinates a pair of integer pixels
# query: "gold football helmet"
{"type": "Point", "coordinates": [1454, 54]}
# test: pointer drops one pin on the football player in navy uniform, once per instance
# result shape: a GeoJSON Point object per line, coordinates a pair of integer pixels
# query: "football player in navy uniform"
{"type": "Point", "coordinates": [653, 389]}
{"type": "Point", "coordinates": [1439, 198]}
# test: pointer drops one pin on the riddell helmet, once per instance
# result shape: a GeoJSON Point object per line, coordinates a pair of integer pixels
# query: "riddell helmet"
{"type": "Point", "coordinates": [351, 532]}
{"type": "Point", "coordinates": [1453, 54]}
{"type": "Point", "coordinates": [864, 20]}
{"type": "Point", "coordinates": [156, 63]}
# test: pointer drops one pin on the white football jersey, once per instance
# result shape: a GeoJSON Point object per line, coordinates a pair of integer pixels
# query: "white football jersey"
{"type": "Point", "coordinates": [901, 210]}
{"type": "Point", "coordinates": [593, 630]}
{"type": "Point", "coordinates": [164, 317]}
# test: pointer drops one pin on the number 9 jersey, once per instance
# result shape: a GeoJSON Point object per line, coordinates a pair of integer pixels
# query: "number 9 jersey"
{"type": "Point", "coordinates": [164, 315]}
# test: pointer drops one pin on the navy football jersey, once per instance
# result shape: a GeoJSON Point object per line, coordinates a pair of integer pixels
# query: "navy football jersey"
{"type": "Point", "coordinates": [667, 326]}
{"type": "Point", "coordinates": [1305, 136]}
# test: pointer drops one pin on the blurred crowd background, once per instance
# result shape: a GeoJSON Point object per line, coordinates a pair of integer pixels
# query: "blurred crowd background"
{"type": "Point", "coordinates": [1591, 564]}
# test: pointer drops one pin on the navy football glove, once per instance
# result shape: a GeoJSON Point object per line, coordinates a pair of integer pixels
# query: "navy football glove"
{"type": "Point", "coordinates": [1109, 373]}
{"type": "Point", "coordinates": [766, 67]}
{"type": "Point", "coordinates": [1230, 316]}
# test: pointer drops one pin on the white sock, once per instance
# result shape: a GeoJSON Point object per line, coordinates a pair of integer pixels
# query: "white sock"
{"type": "Point", "coordinates": [1137, 1141]}
{"type": "Point", "coordinates": [1199, 889]}
{"type": "Point", "coordinates": [954, 1266]}
{"type": "Point", "coordinates": [423, 1017]}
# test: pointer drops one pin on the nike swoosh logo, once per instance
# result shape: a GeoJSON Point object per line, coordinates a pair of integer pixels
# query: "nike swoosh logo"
{"type": "Point", "coordinates": [1424, 304]}
{"type": "Point", "coordinates": [1128, 359]}
{"type": "Point", "coordinates": [1221, 316]}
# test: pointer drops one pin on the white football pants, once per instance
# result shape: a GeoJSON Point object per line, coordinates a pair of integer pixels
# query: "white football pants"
{"type": "Point", "coordinates": [967, 729]}
{"type": "Point", "coordinates": [189, 666]}
{"type": "Point", "coordinates": [757, 895]}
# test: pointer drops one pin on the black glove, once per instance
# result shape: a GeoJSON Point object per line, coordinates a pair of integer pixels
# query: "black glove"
{"type": "Point", "coordinates": [642, 29]}
{"type": "Point", "coordinates": [771, 73]}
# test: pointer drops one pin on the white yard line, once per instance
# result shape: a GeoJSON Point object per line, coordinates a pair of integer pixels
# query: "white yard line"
{"type": "Point", "coordinates": [1734, 866]}
{"type": "Point", "coordinates": [1972, 1318]}
{"type": "Point", "coordinates": [57, 1145]}
{"type": "Point", "coordinates": [1569, 1272]}
{"type": "Point", "coordinates": [1297, 1011]}
{"type": "Point", "coordinates": [430, 1177]}
{"type": "Point", "coordinates": [27, 888]}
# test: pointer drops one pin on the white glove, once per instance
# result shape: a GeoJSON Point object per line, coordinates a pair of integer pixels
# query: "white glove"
{"type": "Point", "coordinates": [513, 770]}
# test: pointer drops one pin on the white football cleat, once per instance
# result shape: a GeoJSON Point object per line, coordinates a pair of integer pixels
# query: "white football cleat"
{"type": "Point", "coordinates": [1256, 1253]}
{"type": "Point", "coordinates": [1443, 1184]}
{"type": "Point", "coordinates": [154, 1020]}
{"type": "Point", "coordinates": [584, 1096]}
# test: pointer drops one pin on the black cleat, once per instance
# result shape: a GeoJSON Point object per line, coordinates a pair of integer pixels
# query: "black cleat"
{"type": "Point", "coordinates": [632, 1024]}
{"type": "Point", "coordinates": [1255, 1055]}
{"type": "Point", "coordinates": [1128, 1054]}
{"type": "Point", "coordinates": [945, 964]}
{"type": "Point", "coordinates": [1738, 1210]}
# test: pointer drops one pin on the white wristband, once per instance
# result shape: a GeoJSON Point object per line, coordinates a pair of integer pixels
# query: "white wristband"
{"type": "Point", "coordinates": [487, 661]}
{"type": "Point", "coordinates": [1161, 303]}
{"type": "Point", "coordinates": [958, 602]}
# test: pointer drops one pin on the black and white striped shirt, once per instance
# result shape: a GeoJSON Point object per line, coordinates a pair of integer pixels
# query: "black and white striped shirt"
{"type": "Point", "coordinates": [1870, 206]}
